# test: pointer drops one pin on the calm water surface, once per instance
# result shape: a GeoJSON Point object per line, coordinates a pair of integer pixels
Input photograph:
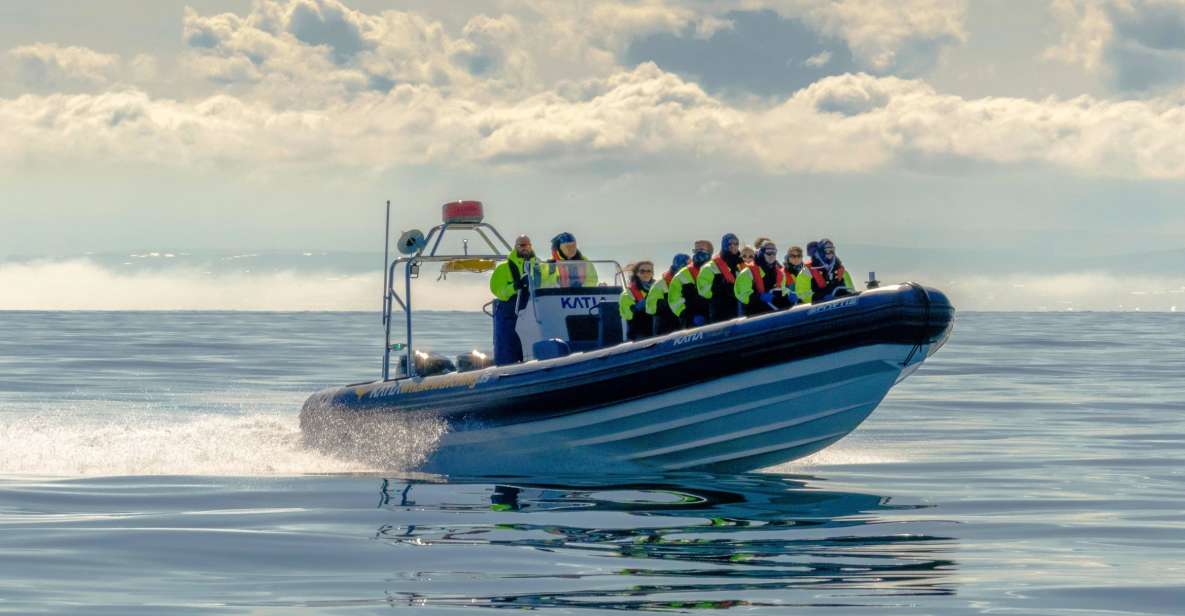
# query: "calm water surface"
{"type": "Point", "coordinates": [152, 463]}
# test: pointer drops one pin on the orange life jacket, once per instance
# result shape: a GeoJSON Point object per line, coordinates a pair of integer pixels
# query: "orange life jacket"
{"type": "Point", "coordinates": [726, 271]}
{"type": "Point", "coordinates": [636, 292]}
{"type": "Point", "coordinates": [837, 275]}
{"type": "Point", "coordinates": [759, 277]}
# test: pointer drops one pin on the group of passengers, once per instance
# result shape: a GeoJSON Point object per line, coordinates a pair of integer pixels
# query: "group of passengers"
{"type": "Point", "coordinates": [696, 289]}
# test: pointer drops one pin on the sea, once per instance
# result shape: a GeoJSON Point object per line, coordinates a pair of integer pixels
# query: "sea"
{"type": "Point", "coordinates": [152, 463]}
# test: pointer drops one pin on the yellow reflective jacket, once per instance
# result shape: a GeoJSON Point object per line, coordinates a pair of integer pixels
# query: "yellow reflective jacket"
{"type": "Point", "coordinates": [675, 298]}
{"type": "Point", "coordinates": [658, 292]}
{"type": "Point", "coordinates": [502, 283]}
{"type": "Point", "coordinates": [804, 284]}
{"type": "Point", "coordinates": [744, 285]}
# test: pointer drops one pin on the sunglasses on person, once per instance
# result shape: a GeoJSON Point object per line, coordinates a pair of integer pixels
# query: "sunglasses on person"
{"type": "Point", "coordinates": [645, 271]}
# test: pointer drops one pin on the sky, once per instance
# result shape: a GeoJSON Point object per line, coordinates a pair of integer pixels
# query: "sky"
{"type": "Point", "coordinates": [1026, 155]}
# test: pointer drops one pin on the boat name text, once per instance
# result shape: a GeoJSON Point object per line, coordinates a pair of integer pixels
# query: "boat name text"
{"type": "Point", "coordinates": [829, 306]}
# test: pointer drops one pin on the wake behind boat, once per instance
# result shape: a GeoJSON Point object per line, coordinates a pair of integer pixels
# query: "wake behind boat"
{"type": "Point", "coordinates": [728, 397]}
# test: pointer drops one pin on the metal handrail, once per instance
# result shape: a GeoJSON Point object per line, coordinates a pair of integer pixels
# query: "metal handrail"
{"type": "Point", "coordinates": [411, 270]}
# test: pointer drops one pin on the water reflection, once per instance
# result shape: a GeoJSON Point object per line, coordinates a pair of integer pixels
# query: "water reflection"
{"type": "Point", "coordinates": [668, 542]}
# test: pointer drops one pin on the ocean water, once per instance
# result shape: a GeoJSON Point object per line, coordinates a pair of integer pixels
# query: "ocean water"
{"type": "Point", "coordinates": [152, 463]}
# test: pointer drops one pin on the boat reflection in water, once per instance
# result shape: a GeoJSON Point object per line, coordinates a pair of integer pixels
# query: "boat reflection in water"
{"type": "Point", "coordinates": [667, 542]}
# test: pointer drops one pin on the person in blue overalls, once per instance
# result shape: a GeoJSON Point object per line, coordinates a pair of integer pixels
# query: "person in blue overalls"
{"type": "Point", "coordinates": [509, 285]}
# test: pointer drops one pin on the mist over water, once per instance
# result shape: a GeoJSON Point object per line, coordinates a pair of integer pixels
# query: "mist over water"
{"type": "Point", "coordinates": [153, 462]}
{"type": "Point", "coordinates": [321, 282]}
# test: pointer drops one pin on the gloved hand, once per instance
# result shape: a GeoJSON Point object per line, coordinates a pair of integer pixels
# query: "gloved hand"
{"type": "Point", "coordinates": [640, 306]}
{"type": "Point", "coordinates": [792, 297]}
{"type": "Point", "coordinates": [767, 297]}
{"type": "Point", "coordinates": [698, 320]}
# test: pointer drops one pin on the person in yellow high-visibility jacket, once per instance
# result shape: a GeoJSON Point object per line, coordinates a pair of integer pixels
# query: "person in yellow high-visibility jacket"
{"type": "Point", "coordinates": [762, 285]}
{"type": "Point", "coordinates": [716, 280]}
{"type": "Point", "coordinates": [639, 323]}
{"type": "Point", "coordinates": [824, 277]}
{"type": "Point", "coordinates": [657, 304]}
{"type": "Point", "coordinates": [511, 292]}
{"type": "Point", "coordinates": [684, 296]}
{"type": "Point", "coordinates": [567, 268]}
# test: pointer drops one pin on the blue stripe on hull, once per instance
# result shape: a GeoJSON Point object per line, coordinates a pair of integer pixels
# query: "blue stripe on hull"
{"type": "Point", "coordinates": [761, 419]}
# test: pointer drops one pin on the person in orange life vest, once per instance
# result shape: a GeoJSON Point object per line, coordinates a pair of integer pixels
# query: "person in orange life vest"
{"type": "Point", "coordinates": [762, 284]}
{"type": "Point", "coordinates": [684, 296]}
{"type": "Point", "coordinates": [793, 263]}
{"type": "Point", "coordinates": [715, 283]}
{"type": "Point", "coordinates": [824, 278]}
{"type": "Point", "coordinates": [639, 323]}
{"type": "Point", "coordinates": [657, 305]}
{"type": "Point", "coordinates": [561, 272]}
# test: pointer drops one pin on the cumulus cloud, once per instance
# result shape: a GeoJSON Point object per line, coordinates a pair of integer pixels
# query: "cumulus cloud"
{"type": "Point", "coordinates": [847, 123]}
{"type": "Point", "coordinates": [885, 36]}
{"type": "Point", "coordinates": [1135, 45]}
{"type": "Point", "coordinates": [48, 67]}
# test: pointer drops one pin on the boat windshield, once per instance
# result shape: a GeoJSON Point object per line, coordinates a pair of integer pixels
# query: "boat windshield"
{"type": "Point", "coordinates": [575, 274]}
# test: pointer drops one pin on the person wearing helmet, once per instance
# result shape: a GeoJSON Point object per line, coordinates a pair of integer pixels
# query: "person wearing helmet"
{"type": "Point", "coordinates": [716, 282]}
{"type": "Point", "coordinates": [762, 285]}
{"type": "Point", "coordinates": [657, 305]}
{"type": "Point", "coordinates": [567, 268]}
{"type": "Point", "coordinates": [684, 295]}
{"type": "Point", "coordinates": [824, 278]}
{"type": "Point", "coordinates": [511, 292]}
{"type": "Point", "coordinates": [639, 323]}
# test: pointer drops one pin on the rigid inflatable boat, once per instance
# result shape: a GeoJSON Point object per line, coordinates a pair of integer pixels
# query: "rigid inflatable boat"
{"type": "Point", "coordinates": [727, 397]}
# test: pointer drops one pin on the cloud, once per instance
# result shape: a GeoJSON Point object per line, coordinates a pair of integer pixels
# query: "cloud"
{"type": "Point", "coordinates": [50, 67]}
{"type": "Point", "coordinates": [1136, 46]}
{"type": "Point", "coordinates": [846, 123]}
{"type": "Point", "coordinates": [899, 37]}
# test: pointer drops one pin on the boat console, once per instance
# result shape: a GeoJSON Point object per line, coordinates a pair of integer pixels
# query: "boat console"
{"type": "Point", "coordinates": [571, 309]}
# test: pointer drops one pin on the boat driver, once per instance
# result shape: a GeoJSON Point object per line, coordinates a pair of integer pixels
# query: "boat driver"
{"type": "Point", "coordinates": [509, 285]}
{"type": "Point", "coordinates": [561, 271]}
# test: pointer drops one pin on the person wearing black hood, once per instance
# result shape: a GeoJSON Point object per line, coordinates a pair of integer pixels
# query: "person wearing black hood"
{"type": "Point", "coordinates": [762, 286]}
{"type": "Point", "coordinates": [639, 323]}
{"type": "Point", "coordinates": [718, 278]}
{"type": "Point", "coordinates": [824, 277]}
{"type": "Point", "coordinates": [560, 272]}
{"type": "Point", "coordinates": [683, 296]}
{"type": "Point", "coordinates": [657, 305]}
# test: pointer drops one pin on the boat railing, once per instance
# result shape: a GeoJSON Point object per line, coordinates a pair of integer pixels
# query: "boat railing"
{"type": "Point", "coordinates": [418, 249]}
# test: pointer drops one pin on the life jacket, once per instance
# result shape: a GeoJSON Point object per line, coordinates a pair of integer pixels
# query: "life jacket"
{"type": "Point", "coordinates": [759, 277]}
{"type": "Point", "coordinates": [726, 271]}
{"type": "Point", "coordinates": [569, 273]}
{"type": "Point", "coordinates": [668, 276]}
{"type": "Point", "coordinates": [636, 291]}
{"type": "Point", "coordinates": [820, 280]}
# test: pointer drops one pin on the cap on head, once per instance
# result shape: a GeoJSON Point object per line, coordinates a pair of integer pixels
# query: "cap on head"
{"type": "Point", "coordinates": [680, 261]}
{"type": "Point", "coordinates": [728, 237]}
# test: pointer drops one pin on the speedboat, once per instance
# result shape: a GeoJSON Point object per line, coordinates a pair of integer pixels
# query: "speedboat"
{"type": "Point", "coordinates": [733, 396]}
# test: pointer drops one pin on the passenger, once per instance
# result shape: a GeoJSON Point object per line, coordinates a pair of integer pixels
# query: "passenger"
{"type": "Point", "coordinates": [657, 305]}
{"type": "Point", "coordinates": [719, 277]}
{"type": "Point", "coordinates": [560, 273]}
{"type": "Point", "coordinates": [683, 296]}
{"type": "Point", "coordinates": [508, 283]}
{"type": "Point", "coordinates": [639, 323]}
{"type": "Point", "coordinates": [794, 262]}
{"type": "Point", "coordinates": [762, 284]}
{"type": "Point", "coordinates": [824, 277]}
